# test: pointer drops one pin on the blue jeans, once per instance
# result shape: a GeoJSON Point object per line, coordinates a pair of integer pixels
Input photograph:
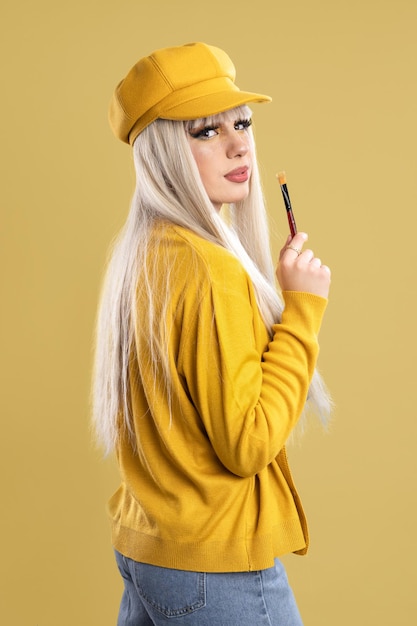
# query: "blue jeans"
{"type": "Point", "coordinates": [155, 595]}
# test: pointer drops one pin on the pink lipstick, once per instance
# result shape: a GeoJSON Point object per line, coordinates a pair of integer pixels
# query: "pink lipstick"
{"type": "Point", "coordinates": [238, 175]}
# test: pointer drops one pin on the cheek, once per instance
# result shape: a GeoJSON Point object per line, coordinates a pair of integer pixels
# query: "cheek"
{"type": "Point", "coordinates": [204, 159]}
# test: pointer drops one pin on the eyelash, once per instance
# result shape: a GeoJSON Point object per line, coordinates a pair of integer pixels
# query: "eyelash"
{"type": "Point", "coordinates": [244, 123]}
{"type": "Point", "coordinates": [202, 133]}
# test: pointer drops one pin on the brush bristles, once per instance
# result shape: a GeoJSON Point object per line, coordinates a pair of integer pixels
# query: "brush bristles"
{"type": "Point", "coordinates": [282, 178]}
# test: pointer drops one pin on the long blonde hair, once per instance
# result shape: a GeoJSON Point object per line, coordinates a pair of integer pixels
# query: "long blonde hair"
{"type": "Point", "coordinates": [169, 189]}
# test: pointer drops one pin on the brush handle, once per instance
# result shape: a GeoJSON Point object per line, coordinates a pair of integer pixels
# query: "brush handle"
{"type": "Point", "coordinates": [290, 215]}
{"type": "Point", "coordinates": [291, 222]}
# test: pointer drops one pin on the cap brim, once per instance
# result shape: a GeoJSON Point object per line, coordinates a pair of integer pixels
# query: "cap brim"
{"type": "Point", "coordinates": [196, 101]}
{"type": "Point", "coordinates": [212, 104]}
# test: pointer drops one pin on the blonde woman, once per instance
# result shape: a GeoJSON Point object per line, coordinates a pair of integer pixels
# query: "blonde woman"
{"type": "Point", "coordinates": [202, 369]}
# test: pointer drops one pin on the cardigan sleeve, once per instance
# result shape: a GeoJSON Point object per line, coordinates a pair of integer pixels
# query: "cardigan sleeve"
{"type": "Point", "coordinates": [248, 393]}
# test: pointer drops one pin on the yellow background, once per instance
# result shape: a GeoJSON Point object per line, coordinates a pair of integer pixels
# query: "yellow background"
{"type": "Point", "coordinates": [343, 126]}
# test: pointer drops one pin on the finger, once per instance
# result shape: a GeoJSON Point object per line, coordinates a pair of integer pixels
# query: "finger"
{"type": "Point", "coordinates": [288, 241]}
{"type": "Point", "coordinates": [296, 243]}
{"type": "Point", "coordinates": [316, 262]}
{"type": "Point", "coordinates": [308, 255]}
{"type": "Point", "coordinates": [299, 240]}
{"type": "Point", "coordinates": [293, 248]}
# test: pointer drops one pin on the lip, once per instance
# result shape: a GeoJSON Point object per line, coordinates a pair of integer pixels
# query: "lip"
{"type": "Point", "coordinates": [238, 175]}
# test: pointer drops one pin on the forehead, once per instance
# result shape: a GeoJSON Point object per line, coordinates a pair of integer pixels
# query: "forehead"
{"type": "Point", "coordinates": [234, 115]}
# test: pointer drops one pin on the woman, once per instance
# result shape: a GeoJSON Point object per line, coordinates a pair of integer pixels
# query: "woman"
{"type": "Point", "coordinates": [202, 370]}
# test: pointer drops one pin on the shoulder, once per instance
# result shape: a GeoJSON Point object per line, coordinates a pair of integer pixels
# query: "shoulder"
{"type": "Point", "coordinates": [196, 256]}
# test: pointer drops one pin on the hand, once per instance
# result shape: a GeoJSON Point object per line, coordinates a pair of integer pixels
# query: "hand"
{"type": "Point", "coordinates": [299, 270]}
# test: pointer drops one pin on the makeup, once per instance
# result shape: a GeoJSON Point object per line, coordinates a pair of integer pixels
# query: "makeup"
{"type": "Point", "coordinates": [238, 175]}
{"type": "Point", "coordinates": [282, 179]}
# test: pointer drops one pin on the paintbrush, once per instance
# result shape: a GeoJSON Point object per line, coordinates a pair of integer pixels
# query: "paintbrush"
{"type": "Point", "coordinates": [291, 221]}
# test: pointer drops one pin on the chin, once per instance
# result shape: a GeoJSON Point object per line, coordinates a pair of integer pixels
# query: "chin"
{"type": "Point", "coordinates": [231, 198]}
{"type": "Point", "coordinates": [238, 199]}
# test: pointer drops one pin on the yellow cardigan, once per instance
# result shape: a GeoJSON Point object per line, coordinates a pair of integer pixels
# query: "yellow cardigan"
{"type": "Point", "coordinates": [209, 488]}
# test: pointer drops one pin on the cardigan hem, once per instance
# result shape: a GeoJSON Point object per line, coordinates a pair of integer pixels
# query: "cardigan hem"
{"type": "Point", "coordinates": [231, 555]}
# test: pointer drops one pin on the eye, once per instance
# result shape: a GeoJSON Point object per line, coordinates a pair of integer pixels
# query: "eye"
{"type": "Point", "coordinates": [243, 124]}
{"type": "Point", "coordinates": [204, 133]}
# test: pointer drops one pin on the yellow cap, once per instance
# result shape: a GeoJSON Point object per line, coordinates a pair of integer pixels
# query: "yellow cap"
{"type": "Point", "coordinates": [180, 83]}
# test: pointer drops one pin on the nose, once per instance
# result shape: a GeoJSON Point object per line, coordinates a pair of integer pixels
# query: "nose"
{"type": "Point", "coordinates": [238, 144]}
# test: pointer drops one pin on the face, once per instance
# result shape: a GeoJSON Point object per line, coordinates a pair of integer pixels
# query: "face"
{"type": "Point", "coordinates": [223, 152]}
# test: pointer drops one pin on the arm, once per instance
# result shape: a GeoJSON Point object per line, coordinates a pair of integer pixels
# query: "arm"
{"type": "Point", "coordinates": [249, 395]}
